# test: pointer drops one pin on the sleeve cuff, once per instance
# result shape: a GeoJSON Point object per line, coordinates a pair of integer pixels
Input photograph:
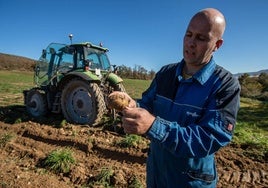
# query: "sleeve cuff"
{"type": "Point", "coordinates": [159, 129]}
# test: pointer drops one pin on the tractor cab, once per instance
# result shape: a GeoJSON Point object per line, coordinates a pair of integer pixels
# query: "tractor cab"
{"type": "Point", "coordinates": [58, 59]}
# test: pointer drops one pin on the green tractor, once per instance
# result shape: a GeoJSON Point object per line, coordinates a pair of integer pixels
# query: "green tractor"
{"type": "Point", "coordinates": [73, 80]}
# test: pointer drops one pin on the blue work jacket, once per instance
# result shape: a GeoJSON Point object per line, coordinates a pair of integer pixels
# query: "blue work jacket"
{"type": "Point", "coordinates": [194, 118]}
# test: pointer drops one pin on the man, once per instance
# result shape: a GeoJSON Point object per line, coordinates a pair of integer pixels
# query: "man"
{"type": "Point", "coordinates": [189, 111]}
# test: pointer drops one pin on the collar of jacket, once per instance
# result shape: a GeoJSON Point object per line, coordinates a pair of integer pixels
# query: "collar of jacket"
{"type": "Point", "coordinates": [202, 75]}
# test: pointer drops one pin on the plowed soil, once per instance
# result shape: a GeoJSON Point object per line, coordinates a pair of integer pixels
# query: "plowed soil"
{"type": "Point", "coordinates": [95, 149]}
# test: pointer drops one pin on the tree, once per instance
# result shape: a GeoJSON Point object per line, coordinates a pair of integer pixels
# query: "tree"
{"type": "Point", "coordinates": [254, 87]}
{"type": "Point", "coordinates": [263, 80]}
{"type": "Point", "coordinates": [250, 87]}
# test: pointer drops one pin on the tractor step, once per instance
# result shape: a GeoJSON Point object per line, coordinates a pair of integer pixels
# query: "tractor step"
{"type": "Point", "coordinates": [56, 108]}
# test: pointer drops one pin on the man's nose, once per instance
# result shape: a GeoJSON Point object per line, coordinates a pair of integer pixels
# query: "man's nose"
{"type": "Point", "coordinates": [192, 42]}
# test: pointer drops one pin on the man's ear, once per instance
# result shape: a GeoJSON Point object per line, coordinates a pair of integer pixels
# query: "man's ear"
{"type": "Point", "coordinates": [218, 44]}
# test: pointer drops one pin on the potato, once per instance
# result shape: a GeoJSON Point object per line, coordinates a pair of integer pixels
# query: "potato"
{"type": "Point", "coordinates": [118, 101]}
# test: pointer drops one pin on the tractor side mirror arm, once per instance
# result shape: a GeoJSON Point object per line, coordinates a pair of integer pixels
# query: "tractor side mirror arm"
{"type": "Point", "coordinates": [44, 53]}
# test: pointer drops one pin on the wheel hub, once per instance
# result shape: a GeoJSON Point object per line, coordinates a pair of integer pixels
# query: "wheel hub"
{"type": "Point", "coordinates": [82, 103]}
{"type": "Point", "coordinates": [79, 104]}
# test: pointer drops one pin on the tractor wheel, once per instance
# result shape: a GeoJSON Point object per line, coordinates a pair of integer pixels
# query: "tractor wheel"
{"type": "Point", "coordinates": [36, 103]}
{"type": "Point", "coordinates": [82, 102]}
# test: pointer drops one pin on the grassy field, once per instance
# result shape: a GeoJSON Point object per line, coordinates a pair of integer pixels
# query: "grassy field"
{"type": "Point", "coordinates": [136, 87]}
{"type": "Point", "coordinates": [251, 130]}
{"type": "Point", "coordinates": [12, 85]}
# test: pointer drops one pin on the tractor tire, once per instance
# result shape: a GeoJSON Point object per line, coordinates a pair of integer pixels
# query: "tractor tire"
{"type": "Point", "coordinates": [82, 102]}
{"type": "Point", "coordinates": [36, 103]}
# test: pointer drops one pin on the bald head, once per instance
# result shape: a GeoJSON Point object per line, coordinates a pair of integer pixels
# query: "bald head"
{"type": "Point", "coordinates": [214, 18]}
{"type": "Point", "coordinates": [203, 37]}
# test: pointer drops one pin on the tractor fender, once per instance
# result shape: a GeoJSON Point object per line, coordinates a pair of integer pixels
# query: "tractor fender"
{"type": "Point", "coordinates": [114, 79]}
{"type": "Point", "coordinates": [88, 76]}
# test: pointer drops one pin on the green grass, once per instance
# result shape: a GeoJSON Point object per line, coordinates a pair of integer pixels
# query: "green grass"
{"type": "Point", "coordinates": [13, 76]}
{"type": "Point", "coordinates": [60, 160]}
{"type": "Point", "coordinates": [254, 112]}
{"type": "Point", "coordinates": [135, 183]}
{"type": "Point", "coordinates": [250, 134]}
{"type": "Point", "coordinates": [5, 138]}
{"type": "Point", "coordinates": [104, 177]}
{"type": "Point", "coordinates": [12, 85]}
{"type": "Point", "coordinates": [135, 87]}
{"type": "Point", "coordinates": [251, 131]}
{"type": "Point", "coordinates": [130, 140]}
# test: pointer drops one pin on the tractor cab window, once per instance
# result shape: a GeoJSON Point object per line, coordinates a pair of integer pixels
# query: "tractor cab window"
{"type": "Point", "coordinates": [65, 62]}
{"type": "Point", "coordinates": [47, 63]}
{"type": "Point", "coordinates": [105, 61]}
{"type": "Point", "coordinates": [99, 59]}
{"type": "Point", "coordinates": [95, 63]}
{"type": "Point", "coordinates": [56, 58]}
{"type": "Point", "coordinates": [80, 60]}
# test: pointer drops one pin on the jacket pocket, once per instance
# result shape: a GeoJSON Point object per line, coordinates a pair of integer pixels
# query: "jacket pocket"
{"type": "Point", "coordinates": [208, 178]}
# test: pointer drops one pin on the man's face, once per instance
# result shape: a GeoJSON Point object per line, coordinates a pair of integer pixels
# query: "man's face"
{"type": "Point", "coordinates": [199, 42]}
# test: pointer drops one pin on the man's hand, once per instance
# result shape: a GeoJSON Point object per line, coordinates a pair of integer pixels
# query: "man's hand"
{"type": "Point", "coordinates": [136, 120]}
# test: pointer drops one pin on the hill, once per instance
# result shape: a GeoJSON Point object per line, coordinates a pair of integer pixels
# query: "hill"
{"type": "Point", "coordinates": [13, 62]}
{"type": "Point", "coordinates": [257, 73]}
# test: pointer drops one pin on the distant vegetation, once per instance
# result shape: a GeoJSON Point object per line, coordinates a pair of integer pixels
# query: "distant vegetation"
{"type": "Point", "coordinates": [12, 62]}
{"type": "Point", "coordinates": [254, 87]}
{"type": "Point", "coordinates": [138, 72]}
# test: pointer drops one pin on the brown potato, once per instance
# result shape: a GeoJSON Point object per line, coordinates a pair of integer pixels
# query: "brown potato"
{"type": "Point", "coordinates": [118, 101]}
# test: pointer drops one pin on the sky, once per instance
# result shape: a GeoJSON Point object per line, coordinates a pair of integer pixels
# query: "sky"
{"type": "Point", "coordinates": [147, 33]}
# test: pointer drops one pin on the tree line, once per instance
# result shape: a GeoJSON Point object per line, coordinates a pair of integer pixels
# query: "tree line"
{"type": "Point", "coordinates": [138, 72]}
{"type": "Point", "coordinates": [254, 87]}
